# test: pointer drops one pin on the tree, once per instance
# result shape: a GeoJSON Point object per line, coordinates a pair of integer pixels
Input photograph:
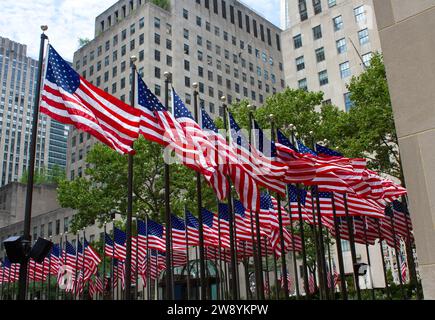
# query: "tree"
{"type": "Point", "coordinates": [164, 4]}
{"type": "Point", "coordinates": [83, 42]}
{"type": "Point", "coordinates": [45, 176]}
{"type": "Point", "coordinates": [370, 130]}
{"type": "Point", "coordinates": [103, 192]}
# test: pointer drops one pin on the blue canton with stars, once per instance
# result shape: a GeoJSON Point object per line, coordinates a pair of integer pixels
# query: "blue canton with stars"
{"type": "Point", "coordinates": [207, 217]}
{"type": "Point", "coordinates": [239, 209]}
{"type": "Point", "coordinates": [180, 110]}
{"type": "Point", "coordinates": [293, 194]}
{"type": "Point", "coordinates": [236, 134]}
{"type": "Point", "coordinates": [177, 223]}
{"type": "Point", "coordinates": [207, 122]}
{"type": "Point", "coordinates": [285, 141]}
{"type": "Point", "coordinates": [147, 99]}
{"type": "Point", "coordinates": [327, 152]}
{"type": "Point", "coordinates": [305, 150]}
{"type": "Point", "coordinates": [266, 146]}
{"type": "Point", "coordinates": [61, 73]}
{"type": "Point", "coordinates": [192, 221]}
{"type": "Point", "coordinates": [155, 229]}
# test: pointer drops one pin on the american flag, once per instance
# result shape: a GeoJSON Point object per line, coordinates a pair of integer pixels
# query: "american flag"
{"type": "Point", "coordinates": [289, 281]}
{"type": "Point", "coordinates": [401, 219]}
{"type": "Point", "coordinates": [311, 284]}
{"type": "Point", "coordinates": [212, 154]}
{"type": "Point", "coordinates": [403, 268]}
{"type": "Point", "coordinates": [156, 236]}
{"type": "Point", "coordinates": [70, 258]}
{"type": "Point", "coordinates": [55, 259]}
{"type": "Point", "coordinates": [244, 182]}
{"type": "Point", "coordinates": [91, 254]}
{"type": "Point", "coordinates": [118, 273]}
{"type": "Point", "coordinates": [211, 237]}
{"type": "Point", "coordinates": [178, 233]}
{"type": "Point", "coordinates": [157, 121]}
{"type": "Point", "coordinates": [70, 99]}
{"type": "Point", "coordinates": [300, 169]}
{"type": "Point", "coordinates": [267, 173]}
{"type": "Point", "coordinates": [37, 271]}
{"type": "Point", "coordinates": [120, 239]}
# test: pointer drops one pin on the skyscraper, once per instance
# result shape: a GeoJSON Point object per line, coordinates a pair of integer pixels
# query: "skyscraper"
{"type": "Point", "coordinates": [326, 43]}
{"type": "Point", "coordinates": [18, 75]}
{"type": "Point", "coordinates": [224, 46]}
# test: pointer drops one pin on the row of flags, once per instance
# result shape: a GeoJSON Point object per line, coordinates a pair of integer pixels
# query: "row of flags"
{"type": "Point", "coordinates": [332, 185]}
{"type": "Point", "coordinates": [251, 164]}
{"type": "Point", "coordinates": [148, 247]}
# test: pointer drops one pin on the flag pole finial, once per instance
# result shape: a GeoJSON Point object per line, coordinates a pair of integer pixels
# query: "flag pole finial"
{"type": "Point", "coordinates": [133, 59]}
{"type": "Point", "coordinates": [168, 76]}
{"type": "Point", "coordinates": [44, 28]}
{"type": "Point", "coordinates": [195, 86]}
{"type": "Point", "coordinates": [224, 99]}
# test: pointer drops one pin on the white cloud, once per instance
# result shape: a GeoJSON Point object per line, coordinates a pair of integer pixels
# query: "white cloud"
{"type": "Point", "coordinates": [267, 8]}
{"type": "Point", "coordinates": [69, 20]}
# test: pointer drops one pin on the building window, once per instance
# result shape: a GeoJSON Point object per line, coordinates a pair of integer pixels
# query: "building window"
{"type": "Point", "coordinates": [297, 41]}
{"type": "Point", "coordinates": [345, 70]}
{"type": "Point", "coordinates": [345, 247]}
{"type": "Point", "coordinates": [323, 77]}
{"type": "Point", "coordinates": [338, 23]}
{"type": "Point", "coordinates": [332, 3]}
{"type": "Point", "coordinates": [317, 5]}
{"type": "Point", "coordinates": [302, 84]}
{"type": "Point", "coordinates": [360, 14]}
{"type": "Point", "coordinates": [185, 14]}
{"type": "Point", "coordinates": [65, 225]}
{"type": "Point", "coordinates": [347, 101]}
{"type": "Point", "coordinates": [57, 227]}
{"type": "Point", "coordinates": [341, 46]}
{"type": "Point", "coordinates": [300, 63]}
{"type": "Point", "coordinates": [317, 32]}
{"type": "Point", "coordinates": [320, 54]}
{"type": "Point", "coordinates": [363, 36]}
{"type": "Point", "coordinates": [303, 10]}
{"type": "Point", "coordinates": [157, 23]}
{"type": "Point", "coordinates": [50, 229]}
{"type": "Point", "coordinates": [366, 59]}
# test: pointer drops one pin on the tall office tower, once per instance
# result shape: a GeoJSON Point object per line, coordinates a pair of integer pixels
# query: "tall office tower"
{"type": "Point", "coordinates": [224, 46]}
{"type": "Point", "coordinates": [326, 43]}
{"type": "Point", "coordinates": [18, 75]}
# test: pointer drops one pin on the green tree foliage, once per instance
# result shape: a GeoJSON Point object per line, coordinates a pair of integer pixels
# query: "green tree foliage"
{"type": "Point", "coordinates": [83, 42]}
{"type": "Point", "coordinates": [164, 4]}
{"type": "Point", "coordinates": [103, 192]}
{"type": "Point", "coordinates": [45, 176]}
{"type": "Point", "coordinates": [370, 130]}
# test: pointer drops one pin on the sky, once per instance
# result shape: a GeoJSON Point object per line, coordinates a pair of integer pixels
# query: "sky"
{"type": "Point", "coordinates": [69, 20]}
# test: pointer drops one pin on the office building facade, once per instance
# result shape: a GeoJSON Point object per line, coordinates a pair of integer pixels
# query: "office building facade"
{"type": "Point", "coordinates": [225, 47]}
{"type": "Point", "coordinates": [18, 76]}
{"type": "Point", "coordinates": [325, 43]}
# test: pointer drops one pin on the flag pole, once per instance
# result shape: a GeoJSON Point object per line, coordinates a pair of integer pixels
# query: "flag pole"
{"type": "Point", "coordinates": [352, 247]}
{"type": "Point", "coordinates": [368, 258]}
{"type": "Point", "coordinates": [384, 267]}
{"type": "Point", "coordinates": [233, 271]}
{"type": "Point", "coordinates": [257, 253]}
{"type": "Point", "coordinates": [133, 60]}
{"type": "Point", "coordinates": [339, 251]}
{"type": "Point", "coordinates": [409, 247]}
{"type": "Point", "coordinates": [22, 284]}
{"type": "Point", "coordinates": [397, 258]}
{"type": "Point", "coordinates": [187, 250]}
{"type": "Point", "coordinates": [199, 207]}
{"type": "Point", "coordinates": [267, 268]}
{"type": "Point", "coordinates": [322, 266]}
{"type": "Point", "coordinates": [281, 227]}
{"type": "Point", "coordinates": [292, 128]}
{"type": "Point", "coordinates": [169, 296]}
{"type": "Point", "coordinates": [292, 232]}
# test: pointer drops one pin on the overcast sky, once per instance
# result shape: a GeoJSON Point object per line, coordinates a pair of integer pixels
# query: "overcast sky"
{"type": "Point", "coordinates": [69, 20]}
